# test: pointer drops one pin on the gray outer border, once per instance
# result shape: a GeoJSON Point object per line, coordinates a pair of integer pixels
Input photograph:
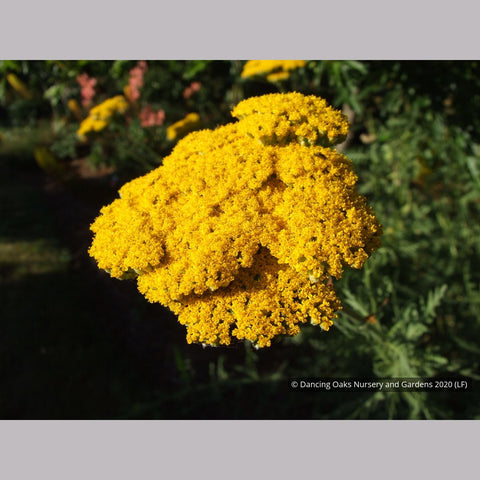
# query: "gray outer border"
{"type": "Point", "coordinates": [229, 449]}
{"type": "Point", "coordinates": [215, 29]}
{"type": "Point", "coordinates": [55, 29]}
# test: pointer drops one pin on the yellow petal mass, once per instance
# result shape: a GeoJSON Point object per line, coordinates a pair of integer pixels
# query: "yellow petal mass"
{"type": "Point", "coordinates": [240, 232]}
{"type": "Point", "coordinates": [274, 70]}
{"type": "Point", "coordinates": [99, 116]}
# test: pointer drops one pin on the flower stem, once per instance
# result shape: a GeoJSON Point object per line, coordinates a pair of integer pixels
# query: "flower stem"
{"type": "Point", "coordinates": [352, 313]}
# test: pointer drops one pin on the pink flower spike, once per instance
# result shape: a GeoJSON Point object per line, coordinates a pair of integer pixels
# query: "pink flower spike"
{"type": "Point", "coordinates": [135, 81]}
{"type": "Point", "coordinates": [149, 118]}
{"type": "Point", "coordinates": [190, 90]}
{"type": "Point", "coordinates": [87, 91]}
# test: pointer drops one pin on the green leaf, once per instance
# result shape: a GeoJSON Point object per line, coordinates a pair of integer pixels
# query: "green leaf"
{"type": "Point", "coordinates": [194, 68]}
{"type": "Point", "coordinates": [473, 168]}
{"type": "Point", "coordinates": [434, 299]}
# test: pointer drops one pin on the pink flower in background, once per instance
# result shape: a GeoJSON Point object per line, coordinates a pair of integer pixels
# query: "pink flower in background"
{"type": "Point", "coordinates": [87, 85]}
{"type": "Point", "coordinates": [189, 91]}
{"type": "Point", "coordinates": [149, 118]}
{"type": "Point", "coordinates": [135, 83]}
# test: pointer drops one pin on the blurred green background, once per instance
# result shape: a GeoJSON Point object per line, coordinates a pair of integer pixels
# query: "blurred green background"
{"type": "Point", "coordinates": [75, 343]}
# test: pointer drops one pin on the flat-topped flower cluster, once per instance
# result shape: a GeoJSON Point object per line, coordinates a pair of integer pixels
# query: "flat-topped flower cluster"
{"type": "Point", "coordinates": [242, 228]}
{"type": "Point", "coordinates": [272, 70]}
{"type": "Point", "coordinates": [99, 116]}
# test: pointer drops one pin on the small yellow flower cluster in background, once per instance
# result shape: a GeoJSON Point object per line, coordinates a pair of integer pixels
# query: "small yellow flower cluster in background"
{"type": "Point", "coordinates": [273, 70]}
{"type": "Point", "coordinates": [240, 234]}
{"type": "Point", "coordinates": [19, 86]}
{"type": "Point", "coordinates": [75, 108]}
{"type": "Point", "coordinates": [182, 127]}
{"type": "Point", "coordinates": [99, 116]}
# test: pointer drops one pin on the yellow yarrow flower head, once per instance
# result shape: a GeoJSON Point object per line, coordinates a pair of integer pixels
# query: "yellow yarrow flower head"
{"type": "Point", "coordinates": [100, 115]}
{"type": "Point", "coordinates": [273, 70]}
{"type": "Point", "coordinates": [239, 233]}
{"type": "Point", "coordinates": [182, 127]}
{"type": "Point", "coordinates": [278, 76]}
